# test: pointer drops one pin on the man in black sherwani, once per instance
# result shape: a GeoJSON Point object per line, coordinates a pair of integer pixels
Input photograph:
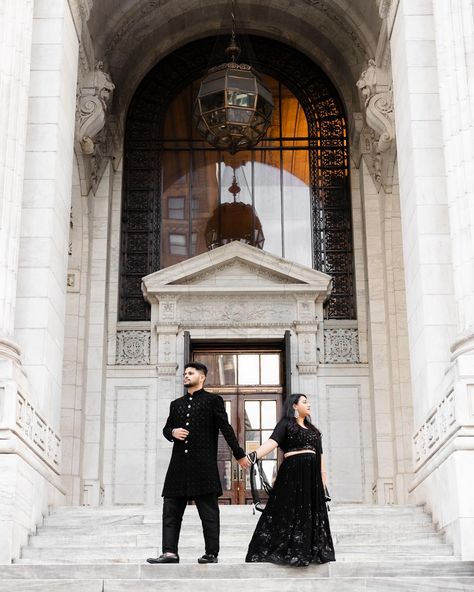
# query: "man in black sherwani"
{"type": "Point", "coordinates": [193, 426]}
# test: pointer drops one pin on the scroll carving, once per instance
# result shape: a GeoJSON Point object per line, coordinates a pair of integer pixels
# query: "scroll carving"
{"type": "Point", "coordinates": [95, 96]}
{"type": "Point", "coordinates": [377, 139]}
{"type": "Point", "coordinates": [95, 129]}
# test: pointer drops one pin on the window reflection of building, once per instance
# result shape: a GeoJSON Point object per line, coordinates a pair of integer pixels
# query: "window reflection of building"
{"type": "Point", "coordinates": [274, 178]}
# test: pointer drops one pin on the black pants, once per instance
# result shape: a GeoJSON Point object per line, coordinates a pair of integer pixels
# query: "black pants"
{"type": "Point", "coordinates": [173, 510]}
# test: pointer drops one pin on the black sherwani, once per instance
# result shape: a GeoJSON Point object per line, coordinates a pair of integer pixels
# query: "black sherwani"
{"type": "Point", "coordinates": [193, 467]}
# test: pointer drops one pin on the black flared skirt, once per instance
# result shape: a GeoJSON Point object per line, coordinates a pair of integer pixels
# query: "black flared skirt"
{"type": "Point", "coordinates": [294, 527]}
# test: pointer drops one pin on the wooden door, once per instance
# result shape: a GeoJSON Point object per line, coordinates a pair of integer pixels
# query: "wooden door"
{"type": "Point", "coordinates": [250, 382]}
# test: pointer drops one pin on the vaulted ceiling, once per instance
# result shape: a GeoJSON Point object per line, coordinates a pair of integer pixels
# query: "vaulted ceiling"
{"type": "Point", "coordinates": [131, 36]}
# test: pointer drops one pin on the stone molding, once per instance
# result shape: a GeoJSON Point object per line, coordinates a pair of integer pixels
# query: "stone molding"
{"type": "Point", "coordinates": [341, 346]}
{"type": "Point", "coordinates": [133, 347]}
{"type": "Point", "coordinates": [436, 430]}
{"type": "Point", "coordinates": [377, 137]}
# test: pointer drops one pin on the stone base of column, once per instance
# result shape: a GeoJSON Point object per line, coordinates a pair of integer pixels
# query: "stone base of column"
{"type": "Point", "coordinates": [29, 458]}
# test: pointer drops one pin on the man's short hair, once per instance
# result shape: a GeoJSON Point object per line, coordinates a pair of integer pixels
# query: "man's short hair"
{"type": "Point", "coordinates": [197, 366]}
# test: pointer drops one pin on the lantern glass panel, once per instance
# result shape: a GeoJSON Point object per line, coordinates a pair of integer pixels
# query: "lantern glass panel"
{"type": "Point", "coordinates": [241, 84]}
{"type": "Point", "coordinates": [210, 102]}
{"type": "Point", "coordinates": [240, 99]}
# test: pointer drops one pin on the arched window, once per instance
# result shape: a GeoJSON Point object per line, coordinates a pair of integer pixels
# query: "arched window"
{"type": "Point", "coordinates": [296, 178]}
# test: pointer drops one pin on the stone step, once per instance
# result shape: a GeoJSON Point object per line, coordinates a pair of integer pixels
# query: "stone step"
{"type": "Point", "coordinates": [135, 553]}
{"type": "Point", "coordinates": [193, 518]}
{"type": "Point", "coordinates": [241, 536]}
{"type": "Point", "coordinates": [152, 512]}
{"type": "Point", "coordinates": [422, 567]}
{"type": "Point", "coordinates": [290, 584]}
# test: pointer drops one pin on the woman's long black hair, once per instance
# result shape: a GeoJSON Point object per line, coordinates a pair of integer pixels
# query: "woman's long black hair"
{"type": "Point", "coordinates": [289, 412]}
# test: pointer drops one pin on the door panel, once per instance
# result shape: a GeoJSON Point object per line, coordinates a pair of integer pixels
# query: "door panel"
{"type": "Point", "coordinates": [250, 382]}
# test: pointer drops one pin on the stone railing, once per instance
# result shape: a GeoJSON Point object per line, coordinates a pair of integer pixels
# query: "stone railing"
{"type": "Point", "coordinates": [436, 430]}
{"type": "Point", "coordinates": [37, 433]}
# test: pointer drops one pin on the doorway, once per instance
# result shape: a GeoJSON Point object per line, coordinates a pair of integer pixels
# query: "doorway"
{"type": "Point", "coordinates": [250, 378]}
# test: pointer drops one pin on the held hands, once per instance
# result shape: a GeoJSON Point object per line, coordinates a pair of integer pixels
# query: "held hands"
{"type": "Point", "coordinates": [244, 462]}
{"type": "Point", "coordinates": [180, 433]}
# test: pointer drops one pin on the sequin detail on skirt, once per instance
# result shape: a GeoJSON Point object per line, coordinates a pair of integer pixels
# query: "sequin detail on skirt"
{"type": "Point", "coordinates": [294, 527]}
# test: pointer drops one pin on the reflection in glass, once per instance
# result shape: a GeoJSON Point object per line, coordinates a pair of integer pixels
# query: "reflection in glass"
{"type": "Point", "coordinates": [275, 181]}
{"type": "Point", "coordinates": [268, 414]}
{"type": "Point", "coordinates": [252, 415]}
{"type": "Point", "coordinates": [209, 360]}
{"type": "Point", "coordinates": [226, 364]}
{"type": "Point", "coordinates": [225, 474]}
{"type": "Point", "coordinates": [270, 364]}
{"type": "Point", "coordinates": [252, 440]}
{"type": "Point", "coordinates": [248, 370]}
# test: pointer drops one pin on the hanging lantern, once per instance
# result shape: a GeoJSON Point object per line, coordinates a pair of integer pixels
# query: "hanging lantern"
{"type": "Point", "coordinates": [233, 109]}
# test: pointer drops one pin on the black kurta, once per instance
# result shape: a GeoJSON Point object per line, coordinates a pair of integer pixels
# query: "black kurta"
{"type": "Point", "coordinates": [193, 467]}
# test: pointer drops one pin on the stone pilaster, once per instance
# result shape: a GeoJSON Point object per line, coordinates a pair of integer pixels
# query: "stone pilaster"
{"type": "Point", "coordinates": [16, 32]}
{"type": "Point", "coordinates": [430, 51]}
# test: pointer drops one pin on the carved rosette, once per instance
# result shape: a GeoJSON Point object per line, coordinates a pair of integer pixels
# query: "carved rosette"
{"type": "Point", "coordinates": [341, 346]}
{"type": "Point", "coordinates": [377, 138]}
{"type": "Point", "coordinates": [133, 347]}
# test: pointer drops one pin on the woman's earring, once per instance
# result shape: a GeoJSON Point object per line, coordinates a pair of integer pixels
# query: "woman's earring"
{"type": "Point", "coordinates": [296, 414]}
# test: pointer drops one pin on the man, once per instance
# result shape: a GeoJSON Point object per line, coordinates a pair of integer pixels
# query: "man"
{"type": "Point", "coordinates": [193, 426]}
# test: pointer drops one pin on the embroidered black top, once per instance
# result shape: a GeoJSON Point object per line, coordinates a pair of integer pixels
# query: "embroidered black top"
{"type": "Point", "coordinates": [193, 467]}
{"type": "Point", "coordinates": [290, 437]}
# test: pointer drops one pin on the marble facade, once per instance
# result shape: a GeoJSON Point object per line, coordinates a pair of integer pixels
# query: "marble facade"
{"type": "Point", "coordinates": [83, 396]}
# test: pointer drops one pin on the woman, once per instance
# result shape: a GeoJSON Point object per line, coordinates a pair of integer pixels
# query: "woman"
{"type": "Point", "coordinates": [294, 527]}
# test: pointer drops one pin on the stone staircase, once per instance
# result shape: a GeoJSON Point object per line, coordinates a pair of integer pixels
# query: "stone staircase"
{"type": "Point", "coordinates": [378, 549]}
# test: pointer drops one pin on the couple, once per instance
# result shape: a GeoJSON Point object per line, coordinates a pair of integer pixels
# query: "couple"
{"type": "Point", "coordinates": [294, 527]}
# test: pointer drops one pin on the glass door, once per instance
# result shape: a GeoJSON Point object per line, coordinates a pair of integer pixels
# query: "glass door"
{"type": "Point", "coordinates": [251, 383]}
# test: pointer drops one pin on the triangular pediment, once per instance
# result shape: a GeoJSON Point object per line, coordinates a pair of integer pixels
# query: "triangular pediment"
{"type": "Point", "coordinates": [235, 266]}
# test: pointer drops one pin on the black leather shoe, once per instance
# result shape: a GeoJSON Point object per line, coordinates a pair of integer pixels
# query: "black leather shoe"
{"type": "Point", "coordinates": [208, 558]}
{"type": "Point", "coordinates": [164, 559]}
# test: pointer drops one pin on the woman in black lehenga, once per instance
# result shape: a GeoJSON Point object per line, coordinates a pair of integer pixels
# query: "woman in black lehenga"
{"type": "Point", "coordinates": [294, 527]}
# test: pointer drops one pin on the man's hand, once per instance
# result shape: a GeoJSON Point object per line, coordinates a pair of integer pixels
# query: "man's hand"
{"type": "Point", "coordinates": [244, 462]}
{"type": "Point", "coordinates": [180, 433]}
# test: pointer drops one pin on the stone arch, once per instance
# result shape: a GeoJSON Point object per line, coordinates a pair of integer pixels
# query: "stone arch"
{"type": "Point", "coordinates": [330, 194]}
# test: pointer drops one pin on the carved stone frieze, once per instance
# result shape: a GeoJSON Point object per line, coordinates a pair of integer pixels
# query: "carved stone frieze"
{"type": "Point", "coordinates": [377, 138]}
{"type": "Point", "coordinates": [434, 432]}
{"type": "Point", "coordinates": [235, 312]}
{"type": "Point", "coordinates": [133, 347]}
{"type": "Point", "coordinates": [37, 432]}
{"type": "Point", "coordinates": [341, 346]}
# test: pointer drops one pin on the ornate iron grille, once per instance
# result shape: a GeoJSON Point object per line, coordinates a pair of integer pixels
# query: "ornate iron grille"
{"type": "Point", "coordinates": [328, 154]}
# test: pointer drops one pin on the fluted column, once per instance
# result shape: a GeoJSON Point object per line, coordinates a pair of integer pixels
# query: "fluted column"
{"type": "Point", "coordinates": [16, 20]}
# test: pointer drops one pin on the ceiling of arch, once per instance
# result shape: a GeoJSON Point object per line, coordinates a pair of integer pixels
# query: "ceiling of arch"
{"type": "Point", "coordinates": [131, 36]}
